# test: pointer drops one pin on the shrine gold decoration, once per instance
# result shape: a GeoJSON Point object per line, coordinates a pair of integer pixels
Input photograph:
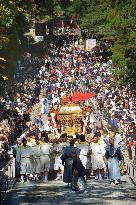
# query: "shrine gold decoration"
{"type": "Point", "coordinates": [71, 130]}
{"type": "Point", "coordinates": [70, 117]}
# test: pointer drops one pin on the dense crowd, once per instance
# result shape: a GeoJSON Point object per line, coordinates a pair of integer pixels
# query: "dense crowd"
{"type": "Point", "coordinates": [111, 125]}
{"type": "Point", "coordinates": [19, 95]}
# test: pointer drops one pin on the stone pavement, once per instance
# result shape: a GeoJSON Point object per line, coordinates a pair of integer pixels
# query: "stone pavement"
{"type": "Point", "coordinates": [55, 192]}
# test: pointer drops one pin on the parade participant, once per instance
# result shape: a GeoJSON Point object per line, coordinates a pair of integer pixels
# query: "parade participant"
{"type": "Point", "coordinates": [117, 138]}
{"type": "Point", "coordinates": [78, 183]}
{"type": "Point", "coordinates": [58, 162]}
{"type": "Point", "coordinates": [44, 158]}
{"type": "Point", "coordinates": [52, 154]}
{"type": "Point", "coordinates": [67, 161]}
{"type": "Point", "coordinates": [89, 164]}
{"type": "Point", "coordinates": [84, 147]}
{"type": "Point", "coordinates": [31, 140]}
{"type": "Point", "coordinates": [103, 143]}
{"type": "Point", "coordinates": [101, 139]}
{"type": "Point", "coordinates": [97, 157]}
{"type": "Point", "coordinates": [16, 146]}
{"type": "Point", "coordinates": [113, 155]}
{"type": "Point", "coordinates": [75, 71]}
{"type": "Point", "coordinates": [15, 150]}
{"type": "Point", "coordinates": [24, 156]}
{"type": "Point", "coordinates": [36, 158]}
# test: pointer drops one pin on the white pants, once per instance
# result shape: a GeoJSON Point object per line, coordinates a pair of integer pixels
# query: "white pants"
{"type": "Point", "coordinates": [97, 161]}
{"type": "Point", "coordinates": [37, 165]}
{"type": "Point", "coordinates": [26, 166]}
{"type": "Point", "coordinates": [58, 163]}
{"type": "Point", "coordinates": [44, 163]}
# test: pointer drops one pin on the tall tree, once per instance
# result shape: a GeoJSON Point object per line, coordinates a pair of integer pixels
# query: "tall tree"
{"type": "Point", "coordinates": [14, 21]}
{"type": "Point", "coordinates": [16, 18]}
{"type": "Point", "coordinates": [116, 20]}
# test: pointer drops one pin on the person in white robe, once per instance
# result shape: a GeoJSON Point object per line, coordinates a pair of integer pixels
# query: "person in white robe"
{"type": "Point", "coordinates": [97, 157]}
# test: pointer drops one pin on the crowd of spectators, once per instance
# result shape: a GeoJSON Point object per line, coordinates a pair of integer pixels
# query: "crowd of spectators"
{"type": "Point", "coordinates": [71, 69]}
{"type": "Point", "coordinates": [74, 70]}
{"type": "Point", "coordinates": [18, 95]}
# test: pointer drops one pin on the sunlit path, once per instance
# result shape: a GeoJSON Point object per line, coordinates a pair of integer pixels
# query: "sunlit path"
{"type": "Point", "coordinates": [55, 192]}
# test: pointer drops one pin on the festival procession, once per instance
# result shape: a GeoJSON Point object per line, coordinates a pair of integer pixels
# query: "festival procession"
{"type": "Point", "coordinates": [64, 119]}
{"type": "Point", "coordinates": [77, 132]}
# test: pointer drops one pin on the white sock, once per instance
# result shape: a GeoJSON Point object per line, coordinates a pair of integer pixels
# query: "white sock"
{"type": "Point", "coordinates": [22, 178]}
{"type": "Point", "coordinates": [100, 176]}
{"type": "Point", "coordinates": [45, 178]}
{"type": "Point", "coordinates": [58, 175]}
{"type": "Point", "coordinates": [96, 176]}
{"type": "Point", "coordinates": [116, 182]}
{"type": "Point", "coordinates": [31, 175]}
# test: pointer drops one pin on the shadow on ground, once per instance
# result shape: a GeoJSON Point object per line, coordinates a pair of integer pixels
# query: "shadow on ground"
{"type": "Point", "coordinates": [54, 193]}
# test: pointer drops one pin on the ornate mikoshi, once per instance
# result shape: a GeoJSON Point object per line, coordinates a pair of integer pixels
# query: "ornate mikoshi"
{"type": "Point", "coordinates": [71, 115]}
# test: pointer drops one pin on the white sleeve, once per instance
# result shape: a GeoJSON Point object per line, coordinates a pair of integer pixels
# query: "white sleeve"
{"type": "Point", "coordinates": [103, 150]}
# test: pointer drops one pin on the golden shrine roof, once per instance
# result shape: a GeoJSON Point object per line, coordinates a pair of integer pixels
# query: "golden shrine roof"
{"type": "Point", "coordinates": [70, 109]}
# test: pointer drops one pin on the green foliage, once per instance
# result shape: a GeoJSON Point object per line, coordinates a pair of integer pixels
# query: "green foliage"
{"type": "Point", "coordinates": [111, 19]}
{"type": "Point", "coordinates": [14, 21]}
{"type": "Point", "coordinates": [116, 20]}
{"type": "Point", "coordinates": [58, 11]}
{"type": "Point", "coordinates": [16, 18]}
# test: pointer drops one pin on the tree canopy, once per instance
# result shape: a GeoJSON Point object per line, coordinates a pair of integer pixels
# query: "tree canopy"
{"type": "Point", "coordinates": [16, 19]}
{"type": "Point", "coordinates": [114, 20]}
{"type": "Point", "coordinates": [111, 19]}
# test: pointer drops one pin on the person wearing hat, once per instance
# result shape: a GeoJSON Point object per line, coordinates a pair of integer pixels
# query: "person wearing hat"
{"type": "Point", "coordinates": [24, 156]}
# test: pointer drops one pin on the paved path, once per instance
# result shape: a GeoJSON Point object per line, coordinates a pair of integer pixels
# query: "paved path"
{"type": "Point", "coordinates": [56, 193]}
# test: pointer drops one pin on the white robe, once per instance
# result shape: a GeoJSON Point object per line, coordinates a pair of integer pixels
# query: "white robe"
{"type": "Point", "coordinates": [97, 155]}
